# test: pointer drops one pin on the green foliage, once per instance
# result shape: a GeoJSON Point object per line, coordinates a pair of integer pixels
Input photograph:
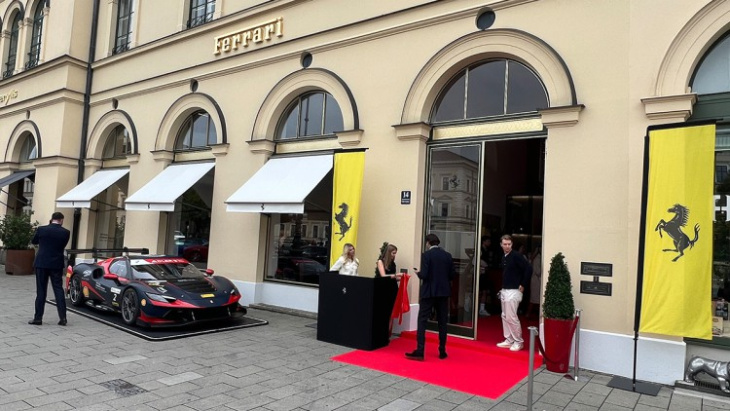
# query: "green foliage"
{"type": "Point", "coordinates": [558, 302]}
{"type": "Point", "coordinates": [16, 231]}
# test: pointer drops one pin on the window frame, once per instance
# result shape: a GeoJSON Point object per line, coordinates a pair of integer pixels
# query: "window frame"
{"type": "Point", "coordinates": [182, 134]}
{"type": "Point", "coordinates": [297, 104]}
{"type": "Point", "coordinates": [36, 39]}
{"type": "Point", "coordinates": [123, 32]}
{"type": "Point", "coordinates": [195, 18]}
{"type": "Point", "coordinates": [12, 57]}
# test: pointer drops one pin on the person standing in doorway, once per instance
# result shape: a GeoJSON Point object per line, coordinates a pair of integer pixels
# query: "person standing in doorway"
{"type": "Point", "coordinates": [516, 273]}
{"type": "Point", "coordinates": [49, 263]}
{"type": "Point", "coordinates": [437, 271]}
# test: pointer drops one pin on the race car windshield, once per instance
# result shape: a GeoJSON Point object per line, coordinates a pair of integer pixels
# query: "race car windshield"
{"type": "Point", "coordinates": [166, 272]}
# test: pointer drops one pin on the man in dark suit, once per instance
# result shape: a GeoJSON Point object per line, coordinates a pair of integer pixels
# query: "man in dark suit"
{"type": "Point", "coordinates": [437, 271]}
{"type": "Point", "coordinates": [49, 263]}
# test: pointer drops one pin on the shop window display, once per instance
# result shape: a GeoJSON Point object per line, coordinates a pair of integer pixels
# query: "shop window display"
{"type": "Point", "coordinates": [296, 254]}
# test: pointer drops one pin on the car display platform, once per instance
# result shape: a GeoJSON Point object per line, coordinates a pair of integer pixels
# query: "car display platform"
{"type": "Point", "coordinates": [156, 334]}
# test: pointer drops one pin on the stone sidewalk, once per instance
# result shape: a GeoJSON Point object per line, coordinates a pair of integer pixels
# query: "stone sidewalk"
{"type": "Point", "coordinates": [276, 367]}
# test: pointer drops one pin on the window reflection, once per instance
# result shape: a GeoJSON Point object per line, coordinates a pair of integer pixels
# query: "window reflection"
{"type": "Point", "coordinates": [29, 150]}
{"type": "Point", "coordinates": [197, 131]}
{"type": "Point", "coordinates": [487, 89]}
{"type": "Point", "coordinates": [721, 236]}
{"type": "Point", "coordinates": [118, 143]}
{"type": "Point", "coordinates": [298, 250]}
{"type": "Point", "coordinates": [312, 114]}
{"type": "Point", "coordinates": [189, 225]}
{"type": "Point", "coordinates": [713, 74]}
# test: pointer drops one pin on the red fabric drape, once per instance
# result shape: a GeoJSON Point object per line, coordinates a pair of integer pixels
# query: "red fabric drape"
{"type": "Point", "coordinates": [402, 303]}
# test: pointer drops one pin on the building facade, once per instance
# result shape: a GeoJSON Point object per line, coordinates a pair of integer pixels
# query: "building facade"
{"type": "Point", "coordinates": [206, 128]}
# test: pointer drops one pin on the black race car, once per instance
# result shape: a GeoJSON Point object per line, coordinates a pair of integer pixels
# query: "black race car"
{"type": "Point", "coordinates": [153, 291]}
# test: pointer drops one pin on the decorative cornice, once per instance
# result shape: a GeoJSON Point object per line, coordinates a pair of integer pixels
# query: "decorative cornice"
{"type": "Point", "coordinates": [219, 150]}
{"type": "Point", "coordinates": [412, 131]}
{"type": "Point", "coordinates": [677, 107]}
{"type": "Point", "coordinates": [132, 158]}
{"type": "Point", "coordinates": [349, 138]}
{"type": "Point", "coordinates": [163, 155]}
{"type": "Point", "coordinates": [11, 167]}
{"type": "Point", "coordinates": [565, 116]}
{"type": "Point", "coordinates": [263, 146]}
{"type": "Point", "coordinates": [55, 161]}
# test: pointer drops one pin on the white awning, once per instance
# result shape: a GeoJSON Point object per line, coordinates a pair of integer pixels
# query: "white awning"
{"type": "Point", "coordinates": [162, 191]}
{"type": "Point", "coordinates": [16, 176]}
{"type": "Point", "coordinates": [81, 195]}
{"type": "Point", "coordinates": [281, 185]}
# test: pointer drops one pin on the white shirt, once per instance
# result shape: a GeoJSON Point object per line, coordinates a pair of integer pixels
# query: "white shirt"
{"type": "Point", "coordinates": [345, 267]}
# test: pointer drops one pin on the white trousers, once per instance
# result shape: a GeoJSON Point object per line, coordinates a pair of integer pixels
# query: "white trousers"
{"type": "Point", "coordinates": [511, 326]}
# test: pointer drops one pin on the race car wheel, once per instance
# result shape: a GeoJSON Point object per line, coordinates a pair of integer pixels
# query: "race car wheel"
{"type": "Point", "coordinates": [130, 307]}
{"type": "Point", "coordinates": [75, 291]}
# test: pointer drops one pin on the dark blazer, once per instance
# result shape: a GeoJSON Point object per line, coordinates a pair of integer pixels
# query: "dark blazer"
{"type": "Point", "coordinates": [437, 271]}
{"type": "Point", "coordinates": [52, 240]}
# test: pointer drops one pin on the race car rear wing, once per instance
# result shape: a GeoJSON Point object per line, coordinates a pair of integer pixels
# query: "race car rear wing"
{"type": "Point", "coordinates": [105, 252]}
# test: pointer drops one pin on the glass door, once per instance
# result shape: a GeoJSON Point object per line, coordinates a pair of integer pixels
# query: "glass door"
{"type": "Point", "coordinates": [452, 214]}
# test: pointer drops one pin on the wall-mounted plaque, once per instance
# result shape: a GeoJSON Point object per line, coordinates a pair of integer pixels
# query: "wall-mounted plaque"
{"type": "Point", "coordinates": [600, 269]}
{"type": "Point", "coordinates": [594, 287]}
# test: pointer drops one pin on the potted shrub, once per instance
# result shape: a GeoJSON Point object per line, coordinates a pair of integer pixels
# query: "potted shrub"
{"type": "Point", "coordinates": [16, 231]}
{"type": "Point", "coordinates": [558, 311]}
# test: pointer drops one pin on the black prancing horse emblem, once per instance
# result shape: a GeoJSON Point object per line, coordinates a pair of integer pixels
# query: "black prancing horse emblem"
{"type": "Point", "coordinates": [674, 226]}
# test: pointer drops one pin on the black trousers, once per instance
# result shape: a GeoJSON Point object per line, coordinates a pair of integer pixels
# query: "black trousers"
{"type": "Point", "coordinates": [441, 304]}
{"type": "Point", "coordinates": [42, 275]}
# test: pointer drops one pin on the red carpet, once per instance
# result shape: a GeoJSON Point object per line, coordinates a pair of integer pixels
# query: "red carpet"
{"type": "Point", "coordinates": [474, 367]}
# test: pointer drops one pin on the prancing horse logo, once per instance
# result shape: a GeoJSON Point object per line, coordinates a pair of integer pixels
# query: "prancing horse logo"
{"type": "Point", "coordinates": [340, 218]}
{"type": "Point", "coordinates": [674, 226]}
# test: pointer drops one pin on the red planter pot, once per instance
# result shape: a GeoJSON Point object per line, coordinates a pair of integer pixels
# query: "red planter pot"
{"type": "Point", "coordinates": [558, 341]}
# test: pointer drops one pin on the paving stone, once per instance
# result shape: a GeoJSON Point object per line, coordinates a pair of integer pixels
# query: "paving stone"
{"type": "Point", "coordinates": [400, 405]}
{"type": "Point", "coordinates": [180, 378]}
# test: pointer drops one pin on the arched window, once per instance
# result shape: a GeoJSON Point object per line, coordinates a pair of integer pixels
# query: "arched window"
{"type": "Point", "coordinates": [118, 144]}
{"type": "Point", "coordinates": [198, 131]}
{"type": "Point", "coordinates": [713, 73]}
{"type": "Point", "coordinates": [12, 46]}
{"type": "Point", "coordinates": [35, 41]}
{"type": "Point", "coordinates": [311, 114]}
{"type": "Point", "coordinates": [488, 89]}
{"type": "Point", "coordinates": [29, 150]}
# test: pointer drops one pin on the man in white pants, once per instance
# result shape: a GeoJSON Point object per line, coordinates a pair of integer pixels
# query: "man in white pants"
{"type": "Point", "coordinates": [516, 273]}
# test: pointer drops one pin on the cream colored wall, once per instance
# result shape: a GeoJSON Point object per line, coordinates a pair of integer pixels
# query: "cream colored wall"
{"type": "Point", "coordinates": [612, 49]}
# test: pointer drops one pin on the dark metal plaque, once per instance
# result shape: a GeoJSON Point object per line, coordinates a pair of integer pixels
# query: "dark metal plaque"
{"type": "Point", "coordinates": [602, 269]}
{"type": "Point", "coordinates": [594, 287]}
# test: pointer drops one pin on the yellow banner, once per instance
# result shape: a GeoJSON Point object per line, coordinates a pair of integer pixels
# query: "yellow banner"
{"type": "Point", "coordinates": [347, 191]}
{"type": "Point", "coordinates": [676, 293]}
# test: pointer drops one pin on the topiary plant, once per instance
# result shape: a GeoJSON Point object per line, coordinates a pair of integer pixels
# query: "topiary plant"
{"type": "Point", "coordinates": [558, 302]}
{"type": "Point", "coordinates": [16, 231]}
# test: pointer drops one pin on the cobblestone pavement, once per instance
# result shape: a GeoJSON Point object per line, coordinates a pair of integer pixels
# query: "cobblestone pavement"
{"type": "Point", "coordinates": [276, 367]}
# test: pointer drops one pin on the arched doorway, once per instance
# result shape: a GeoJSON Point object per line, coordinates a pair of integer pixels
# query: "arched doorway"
{"type": "Point", "coordinates": [485, 179]}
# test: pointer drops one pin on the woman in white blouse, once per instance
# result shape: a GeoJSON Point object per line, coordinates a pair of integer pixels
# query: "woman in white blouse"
{"type": "Point", "coordinates": [347, 263]}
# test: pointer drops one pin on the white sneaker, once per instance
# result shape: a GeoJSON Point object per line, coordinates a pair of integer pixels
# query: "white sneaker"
{"type": "Point", "coordinates": [516, 347]}
{"type": "Point", "coordinates": [505, 344]}
{"type": "Point", "coordinates": [483, 313]}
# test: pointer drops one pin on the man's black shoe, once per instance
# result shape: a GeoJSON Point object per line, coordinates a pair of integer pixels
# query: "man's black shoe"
{"type": "Point", "coordinates": [443, 355]}
{"type": "Point", "coordinates": [62, 322]}
{"type": "Point", "coordinates": [415, 355]}
{"type": "Point", "coordinates": [35, 322]}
